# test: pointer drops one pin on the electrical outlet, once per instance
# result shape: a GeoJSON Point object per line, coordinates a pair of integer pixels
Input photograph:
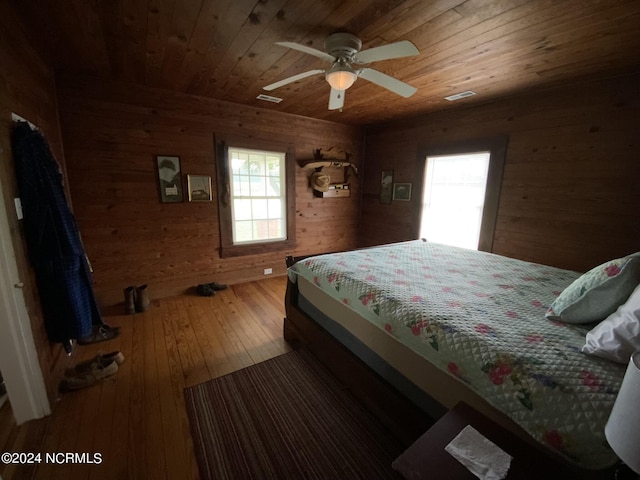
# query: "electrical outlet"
{"type": "Point", "coordinates": [268, 271]}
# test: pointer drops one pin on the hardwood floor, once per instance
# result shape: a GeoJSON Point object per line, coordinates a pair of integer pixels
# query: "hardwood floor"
{"type": "Point", "coordinates": [137, 419]}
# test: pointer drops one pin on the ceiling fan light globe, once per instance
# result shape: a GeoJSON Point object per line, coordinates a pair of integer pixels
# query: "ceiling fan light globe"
{"type": "Point", "coordinates": [341, 79]}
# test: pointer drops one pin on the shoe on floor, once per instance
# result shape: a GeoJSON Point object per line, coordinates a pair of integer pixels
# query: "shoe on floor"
{"type": "Point", "coordinates": [204, 290]}
{"type": "Point", "coordinates": [217, 286]}
{"type": "Point", "coordinates": [100, 333]}
{"type": "Point", "coordinates": [130, 300]}
{"type": "Point", "coordinates": [84, 380]}
{"type": "Point", "coordinates": [98, 360]}
{"type": "Point", "coordinates": [142, 298]}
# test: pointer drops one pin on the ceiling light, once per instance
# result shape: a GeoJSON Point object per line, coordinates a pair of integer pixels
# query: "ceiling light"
{"type": "Point", "coordinates": [341, 76]}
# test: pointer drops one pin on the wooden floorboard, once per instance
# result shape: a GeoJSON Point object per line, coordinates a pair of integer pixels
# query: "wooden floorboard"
{"type": "Point", "coordinates": [136, 420]}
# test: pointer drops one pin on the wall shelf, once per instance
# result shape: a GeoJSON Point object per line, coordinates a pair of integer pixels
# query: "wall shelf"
{"type": "Point", "coordinates": [336, 190]}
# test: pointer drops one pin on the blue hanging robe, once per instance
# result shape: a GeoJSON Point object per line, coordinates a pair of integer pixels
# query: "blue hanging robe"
{"type": "Point", "coordinates": [54, 246]}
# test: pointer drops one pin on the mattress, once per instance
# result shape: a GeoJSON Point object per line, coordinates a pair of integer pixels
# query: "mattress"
{"type": "Point", "coordinates": [478, 320]}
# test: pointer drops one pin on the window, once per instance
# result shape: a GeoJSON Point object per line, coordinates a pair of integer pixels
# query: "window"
{"type": "Point", "coordinates": [460, 192]}
{"type": "Point", "coordinates": [256, 181]}
{"type": "Point", "coordinates": [453, 200]}
{"type": "Point", "coordinates": [258, 196]}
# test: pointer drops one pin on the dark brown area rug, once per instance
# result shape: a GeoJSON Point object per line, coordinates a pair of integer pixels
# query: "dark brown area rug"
{"type": "Point", "coordinates": [286, 418]}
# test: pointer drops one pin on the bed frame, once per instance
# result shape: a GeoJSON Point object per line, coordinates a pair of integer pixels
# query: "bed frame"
{"type": "Point", "coordinates": [368, 387]}
{"type": "Point", "coordinates": [401, 416]}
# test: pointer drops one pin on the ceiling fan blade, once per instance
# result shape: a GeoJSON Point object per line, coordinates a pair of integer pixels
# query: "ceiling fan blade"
{"type": "Point", "coordinates": [336, 99]}
{"type": "Point", "coordinates": [385, 81]}
{"type": "Point", "coordinates": [386, 52]}
{"type": "Point", "coordinates": [292, 79]}
{"type": "Point", "coordinates": [309, 50]}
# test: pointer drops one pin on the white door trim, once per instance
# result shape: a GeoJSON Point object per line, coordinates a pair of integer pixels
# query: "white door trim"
{"type": "Point", "coordinates": [18, 356]}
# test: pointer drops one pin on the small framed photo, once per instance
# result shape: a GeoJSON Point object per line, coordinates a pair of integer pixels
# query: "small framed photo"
{"type": "Point", "coordinates": [386, 186]}
{"type": "Point", "coordinates": [170, 179]}
{"type": "Point", "coordinates": [199, 187]}
{"type": "Point", "coordinates": [402, 191]}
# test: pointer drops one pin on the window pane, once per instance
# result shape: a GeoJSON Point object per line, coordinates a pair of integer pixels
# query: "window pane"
{"type": "Point", "coordinates": [454, 199]}
{"type": "Point", "coordinates": [242, 231]}
{"type": "Point", "coordinates": [259, 209]}
{"type": "Point", "coordinates": [275, 208]}
{"type": "Point", "coordinates": [275, 228]}
{"type": "Point", "coordinates": [259, 197]}
{"type": "Point", "coordinates": [273, 166]}
{"type": "Point", "coordinates": [273, 187]}
{"type": "Point", "coordinates": [242, 209]}
{"type": "Point", "coordinates": [258, 188]}
{"type": "Point", "coordinates": [237, 186]}
{"type": "Point", "coordinates": [239, 162]}
{"type": "Point", "coordinates": [256, 164]}
{"type": "Point", "coordinates": [261, 230]}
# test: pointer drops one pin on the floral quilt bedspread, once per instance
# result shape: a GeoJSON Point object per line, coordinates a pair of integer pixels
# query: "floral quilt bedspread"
{"type": "Point", "coordinates": [481, 318]}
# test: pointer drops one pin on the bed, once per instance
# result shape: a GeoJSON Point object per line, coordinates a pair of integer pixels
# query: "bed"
{"type": "Point", "coordinates": [442, 324]}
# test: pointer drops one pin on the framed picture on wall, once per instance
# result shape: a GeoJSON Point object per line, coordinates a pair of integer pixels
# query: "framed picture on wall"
{"type": "Point", "coordinates": [386, 186]}
{"type": "Point", "coordinates": [199, 187]}
{"type": "Point", "coordinates": [170, 179]}
{"type": "Point", "coordinates": [402, 191]}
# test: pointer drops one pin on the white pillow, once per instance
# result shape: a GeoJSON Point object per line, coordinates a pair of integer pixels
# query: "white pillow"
{"type": "Point", "coordinates": [618, 336]}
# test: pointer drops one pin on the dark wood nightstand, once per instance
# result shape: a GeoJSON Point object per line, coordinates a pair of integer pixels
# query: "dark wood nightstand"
{"type": "Point", "coordinates": [528, 462]}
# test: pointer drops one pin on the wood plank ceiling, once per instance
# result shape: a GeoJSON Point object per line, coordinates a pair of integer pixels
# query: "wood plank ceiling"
{"type": "Point", "coordinates": [225, 49]}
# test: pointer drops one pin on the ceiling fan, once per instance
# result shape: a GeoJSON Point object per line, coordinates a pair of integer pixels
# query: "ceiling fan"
{"type": "Point", "coordinates": [343, 51]}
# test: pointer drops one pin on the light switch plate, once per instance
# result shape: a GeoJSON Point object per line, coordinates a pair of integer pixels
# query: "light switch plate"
{"type": "Point", "coordinates": [18, 204]}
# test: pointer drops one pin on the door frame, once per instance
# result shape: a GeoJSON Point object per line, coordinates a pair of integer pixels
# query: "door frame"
{"type": "Point", "coordinates": [18, 355]}
{"type": "Point", "coordinates": [497, 146]}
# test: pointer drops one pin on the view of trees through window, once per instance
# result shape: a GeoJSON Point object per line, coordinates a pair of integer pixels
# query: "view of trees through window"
{"type": "Point", "coordinates": [258, 196]}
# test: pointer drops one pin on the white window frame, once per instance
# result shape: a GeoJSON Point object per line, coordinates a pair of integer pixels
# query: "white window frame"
{"type": "Point", "coordinates": [225, 200]}
{"type": "Point", "coordinates": [249, 196]}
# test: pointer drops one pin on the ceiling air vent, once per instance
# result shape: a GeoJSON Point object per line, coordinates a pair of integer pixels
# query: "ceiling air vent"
{"type": "Point", "coordinates": [269, 98]}
{"type": "Point", "coordinates": [460, 95]}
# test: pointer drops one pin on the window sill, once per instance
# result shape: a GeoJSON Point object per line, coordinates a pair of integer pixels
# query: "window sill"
{"type": "Point", "coordinates": [257, 248]}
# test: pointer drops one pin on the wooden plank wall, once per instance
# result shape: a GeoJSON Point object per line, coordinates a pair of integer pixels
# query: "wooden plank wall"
{"type": "Point", "coordinates": [570, 195]}
{"type": "Point", "coordinates": [112, 133]}
{"type": "Point", "coordinates": [27, 88]}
